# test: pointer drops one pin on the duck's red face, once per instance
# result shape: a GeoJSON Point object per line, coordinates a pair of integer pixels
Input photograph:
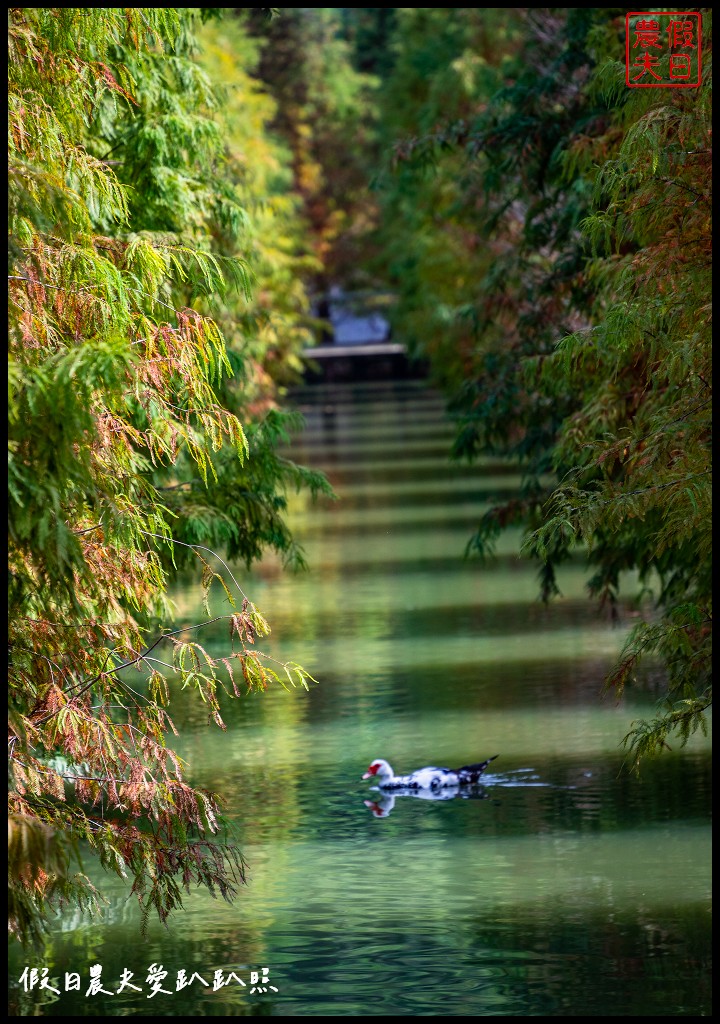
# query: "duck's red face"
{"type": "Point", "coordinates": [372, 770]}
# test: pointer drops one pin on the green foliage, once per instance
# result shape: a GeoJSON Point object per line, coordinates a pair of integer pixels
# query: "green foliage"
{"type": "Point", "coordinates": [130, 448]}
{"type": "Point", "coordinates": [325, 114]}
{"type": "Point", "coordinates": [429, 250]}
{"type": "Point", "coordinates": [550, 235]}
{"type": "Point", "coordinates": [269, 330]}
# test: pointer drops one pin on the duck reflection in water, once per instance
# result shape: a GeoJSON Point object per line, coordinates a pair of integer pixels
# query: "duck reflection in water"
{"type": "Point", "coordinates": [382, 806]}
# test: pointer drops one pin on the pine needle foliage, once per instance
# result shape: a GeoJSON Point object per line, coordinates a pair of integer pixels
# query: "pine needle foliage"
{"type": "Point", "coordinates": [125, 444]}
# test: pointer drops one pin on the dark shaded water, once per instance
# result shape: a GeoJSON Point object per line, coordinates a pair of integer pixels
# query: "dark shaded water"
{"type": "Point", "coordinates": [564, 887]}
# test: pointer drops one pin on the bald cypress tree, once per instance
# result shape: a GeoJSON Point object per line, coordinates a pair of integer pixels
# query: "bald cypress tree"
{"type": "Point", "coordinates": [550, 229]}
{"type": "Point", "coordinates": [125, 436]}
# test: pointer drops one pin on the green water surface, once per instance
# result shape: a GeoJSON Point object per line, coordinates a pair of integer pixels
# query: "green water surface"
{"type": "Point", "coordinates": [563, 887]}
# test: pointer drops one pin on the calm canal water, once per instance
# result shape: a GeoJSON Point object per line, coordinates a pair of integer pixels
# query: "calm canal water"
{"type": "Point", "coordinates": [565, 887]}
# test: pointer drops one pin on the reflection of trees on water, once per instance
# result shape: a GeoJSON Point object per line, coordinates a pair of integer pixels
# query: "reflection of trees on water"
{"type": "Point", "coordinates": [530, 954]}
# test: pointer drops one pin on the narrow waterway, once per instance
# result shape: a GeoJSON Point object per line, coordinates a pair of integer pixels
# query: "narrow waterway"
{"type": "Point", "coordinates": [563, 887]}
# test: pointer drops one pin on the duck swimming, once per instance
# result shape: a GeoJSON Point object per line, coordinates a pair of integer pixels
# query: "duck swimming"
{"type": "Point", "coordinates": [430, 778]}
